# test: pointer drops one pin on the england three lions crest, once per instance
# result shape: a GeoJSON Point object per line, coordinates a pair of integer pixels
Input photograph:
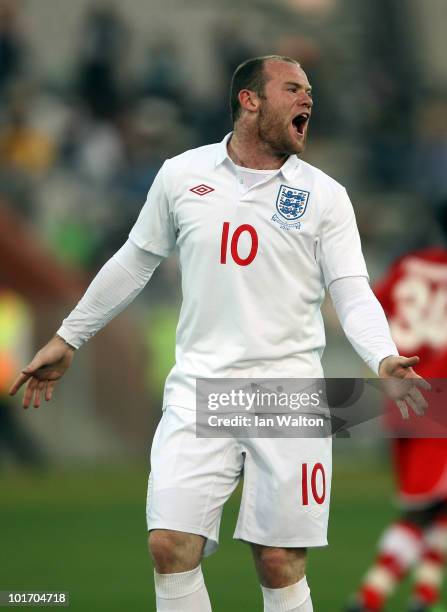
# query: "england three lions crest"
{"type": "Point", "coordinates": [291, 204]}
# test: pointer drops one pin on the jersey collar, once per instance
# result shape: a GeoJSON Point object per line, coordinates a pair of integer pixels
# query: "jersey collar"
{"type": "Point", "coordinates": [288, 169]}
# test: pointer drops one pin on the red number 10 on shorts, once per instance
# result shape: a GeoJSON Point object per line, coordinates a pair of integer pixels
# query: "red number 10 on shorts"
{"type": "Point", "coordinates": [313, 481]}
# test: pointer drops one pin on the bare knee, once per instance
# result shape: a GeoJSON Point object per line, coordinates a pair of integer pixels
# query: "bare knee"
{"type": "Point", "coordinates": [175, 551]}
{"type": "Point", "coordinates": [279, 567]}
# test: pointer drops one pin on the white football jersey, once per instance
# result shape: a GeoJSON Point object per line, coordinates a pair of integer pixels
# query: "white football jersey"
{"type": "Point", "coordinates": [255, 263]}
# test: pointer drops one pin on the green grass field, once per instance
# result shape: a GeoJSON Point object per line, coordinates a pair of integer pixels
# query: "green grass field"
{"type": "Point", "coordinates": [83, 531]}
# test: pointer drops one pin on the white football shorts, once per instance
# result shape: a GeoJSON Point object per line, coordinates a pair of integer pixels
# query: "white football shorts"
{"type": "Point", "coordinates": [286, 488]}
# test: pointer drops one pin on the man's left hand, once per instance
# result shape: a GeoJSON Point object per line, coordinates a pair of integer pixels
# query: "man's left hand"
{"type": "Point", "coordinates": [403, 384]}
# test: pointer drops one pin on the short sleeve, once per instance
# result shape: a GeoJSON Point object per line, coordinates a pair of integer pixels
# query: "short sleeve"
{"type": "Point", "coordinates": [341, 251]}
{"type": "Point", "coordinates": [154, 230]}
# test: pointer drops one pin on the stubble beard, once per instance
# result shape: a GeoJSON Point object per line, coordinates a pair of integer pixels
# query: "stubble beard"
{"type": "Point", "coordinates": [274, 133]}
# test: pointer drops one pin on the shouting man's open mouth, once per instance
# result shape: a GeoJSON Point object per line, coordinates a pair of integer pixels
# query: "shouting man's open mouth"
{"type": "Point", "coordinates": [299, 123]}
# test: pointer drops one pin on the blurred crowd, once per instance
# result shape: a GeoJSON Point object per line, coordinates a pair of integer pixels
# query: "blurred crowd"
{"type": "Point", "coordinates": [77, 158]}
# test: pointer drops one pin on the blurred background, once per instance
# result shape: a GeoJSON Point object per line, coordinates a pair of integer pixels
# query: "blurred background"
{"type": "Point", "coordinates": [93, 97]}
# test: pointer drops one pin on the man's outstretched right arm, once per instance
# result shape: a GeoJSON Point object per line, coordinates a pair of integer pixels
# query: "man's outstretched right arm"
{"type": "Point", "coordinates": [118, 282]}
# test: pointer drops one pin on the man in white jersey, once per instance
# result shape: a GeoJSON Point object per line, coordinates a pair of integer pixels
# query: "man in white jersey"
{"type": "Point", "coordinates": [260, 234]}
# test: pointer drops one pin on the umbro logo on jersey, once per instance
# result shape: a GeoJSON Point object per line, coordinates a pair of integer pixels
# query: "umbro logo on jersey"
{"type": "Point", "coordinates": [202, 189]}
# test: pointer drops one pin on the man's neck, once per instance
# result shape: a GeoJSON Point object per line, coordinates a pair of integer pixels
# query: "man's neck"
{"type": "Point", "coordinates": [245, 149]}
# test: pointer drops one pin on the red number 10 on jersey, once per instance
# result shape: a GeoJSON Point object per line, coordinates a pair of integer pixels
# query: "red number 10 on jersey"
{"type": "Point", "coordinates": [241, 261]}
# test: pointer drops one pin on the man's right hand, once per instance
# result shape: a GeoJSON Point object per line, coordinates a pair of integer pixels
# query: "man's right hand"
{"type": "Point", "coordinates": [42, 373]}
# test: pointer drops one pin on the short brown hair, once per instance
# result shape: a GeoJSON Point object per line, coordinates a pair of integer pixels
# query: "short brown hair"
{"type": "Point", "coordinates": [250, 75]}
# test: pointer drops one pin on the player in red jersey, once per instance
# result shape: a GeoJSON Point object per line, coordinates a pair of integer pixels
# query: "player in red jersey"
{"type": "Point", "coordinates": [414, 297]}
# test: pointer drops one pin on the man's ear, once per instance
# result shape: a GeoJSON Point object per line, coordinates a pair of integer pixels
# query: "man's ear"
{"type": "Point", "coordinates": [248, 100]}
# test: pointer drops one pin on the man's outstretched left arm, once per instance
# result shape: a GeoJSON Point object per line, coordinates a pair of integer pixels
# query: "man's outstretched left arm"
{"type": "Point", "coordinates": [366, 327]}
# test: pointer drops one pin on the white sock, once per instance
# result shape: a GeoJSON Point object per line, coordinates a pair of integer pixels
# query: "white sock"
{"type": "Point", "coordinates": [293, 598]}
{"type": "Point", "coordinates": [181, 592]}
